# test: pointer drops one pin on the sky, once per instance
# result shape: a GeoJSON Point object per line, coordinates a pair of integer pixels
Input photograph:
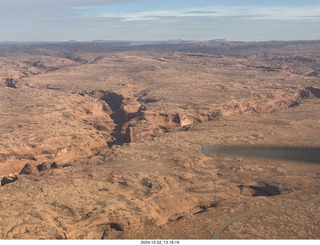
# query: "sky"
{"type": "Point", "coordinates": [158, 20]}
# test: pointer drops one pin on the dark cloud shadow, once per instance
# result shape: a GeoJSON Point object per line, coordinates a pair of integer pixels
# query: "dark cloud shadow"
{"type": "Point", "coordinates": [298, 154]}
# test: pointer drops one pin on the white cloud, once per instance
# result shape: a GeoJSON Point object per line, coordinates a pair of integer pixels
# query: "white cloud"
{"type": "Point", "coordinates": [287, 13]}
{"type": "Point", "coordinates": [244, 12]}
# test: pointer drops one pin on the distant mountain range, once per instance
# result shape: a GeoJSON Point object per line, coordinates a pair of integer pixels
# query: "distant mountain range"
{"type": "Point", "coordinates": [116, 42]}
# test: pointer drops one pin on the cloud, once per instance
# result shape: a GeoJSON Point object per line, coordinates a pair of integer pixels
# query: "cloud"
{"type": "Point", "coordinates": [160, 14]}
{"type": "Point", "coordinates": [243, 12]}
{"type": "Point", "coordinates": [61, 2]}
{"type": "Point", "coordinates": [289, 13]}
{"type": "Point", "coordinates": [203, 12]}
{"type": "Point", "coordinates": [156, 20]}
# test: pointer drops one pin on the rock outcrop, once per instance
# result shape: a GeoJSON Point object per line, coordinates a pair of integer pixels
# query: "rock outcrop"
{"type": "Point", "coordinates": [8, 179]}
{"type": "Point", "coordinates": [28, 169]}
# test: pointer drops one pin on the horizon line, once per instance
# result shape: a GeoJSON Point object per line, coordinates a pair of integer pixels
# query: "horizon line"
{"type": "Point", "coordinates": [156, 41]}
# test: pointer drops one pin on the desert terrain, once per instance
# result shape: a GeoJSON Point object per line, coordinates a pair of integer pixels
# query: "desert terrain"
{"type": "Point", "coordinates": [104, 141]}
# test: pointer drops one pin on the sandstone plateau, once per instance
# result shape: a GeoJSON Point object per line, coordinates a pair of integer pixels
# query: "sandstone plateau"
{"type": "Point", "coordinates": [101, 141]}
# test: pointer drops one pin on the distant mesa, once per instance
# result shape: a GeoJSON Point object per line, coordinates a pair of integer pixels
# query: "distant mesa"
{"type": "Point", "coordinates": [101, 41]}
{"type": "Point", "coordinates": [72, 41]}
{"type": "Point", "coordinates": [217, 41]}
